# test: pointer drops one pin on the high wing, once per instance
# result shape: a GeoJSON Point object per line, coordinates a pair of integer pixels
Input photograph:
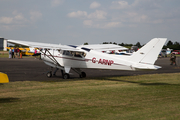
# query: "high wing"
{"type": "Point", "coordinates": [97, 47]}
{"type": "Point", "coordinates": [104, 47]}
{"type": "Point", "coordinates": [40, 45]}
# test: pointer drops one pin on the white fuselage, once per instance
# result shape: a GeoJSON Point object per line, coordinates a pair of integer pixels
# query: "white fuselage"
{"type": "Point", "coordinates": [95, 60]}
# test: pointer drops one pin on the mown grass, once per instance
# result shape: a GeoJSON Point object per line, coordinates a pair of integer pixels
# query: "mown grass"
{"type": "Point", "coordinates": [128, 97]}
{"type": "Point", "coordinates": [4, 54]}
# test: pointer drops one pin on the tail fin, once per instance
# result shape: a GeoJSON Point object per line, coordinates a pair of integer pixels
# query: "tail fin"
{"type": "Point", "coordinates": [148, 54]}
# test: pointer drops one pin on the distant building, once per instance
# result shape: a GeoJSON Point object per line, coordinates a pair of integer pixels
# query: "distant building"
{"type": "Point", "coordinates": [3, 44]}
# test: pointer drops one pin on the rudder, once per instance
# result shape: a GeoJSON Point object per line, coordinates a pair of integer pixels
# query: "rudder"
{"type": "Point", "coordinates": [148, 54]}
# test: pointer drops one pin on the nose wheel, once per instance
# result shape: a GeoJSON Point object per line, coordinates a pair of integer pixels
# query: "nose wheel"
{"type": "Point", "coordinates": [49, 74]}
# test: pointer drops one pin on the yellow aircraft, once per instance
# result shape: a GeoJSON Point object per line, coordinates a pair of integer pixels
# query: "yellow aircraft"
{"type": "Point", "coordinates": [3, 78]}
{"type": "Point", "coordinates": [24, 51]}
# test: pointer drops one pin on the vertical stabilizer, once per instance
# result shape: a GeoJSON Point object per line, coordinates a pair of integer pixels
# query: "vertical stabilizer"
{"type": "Point", "coordinates": [148, 54]}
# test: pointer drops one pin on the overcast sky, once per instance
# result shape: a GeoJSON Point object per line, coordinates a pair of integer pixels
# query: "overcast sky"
{"type": "Point", "coordinates": [92, 21]}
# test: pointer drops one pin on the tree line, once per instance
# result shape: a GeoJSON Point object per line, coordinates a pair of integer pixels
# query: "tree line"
{"type": "Point", "coordinates": [170, 44]}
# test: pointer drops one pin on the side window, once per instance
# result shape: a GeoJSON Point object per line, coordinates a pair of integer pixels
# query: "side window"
{"type": "Point", "coordinates": [73, 53]}
{"type": "Point", "coordinates": [68, 53]}
{"type": "Point", "coordinates": [77, 54]}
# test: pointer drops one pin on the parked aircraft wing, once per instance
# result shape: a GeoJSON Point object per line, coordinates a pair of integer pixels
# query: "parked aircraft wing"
{"type": "Point", "coordinates": [104, 47]}
{"type": "Point", "coordinates": [97, 47]}
{"type": "Point", "coordinates": [42, 45]}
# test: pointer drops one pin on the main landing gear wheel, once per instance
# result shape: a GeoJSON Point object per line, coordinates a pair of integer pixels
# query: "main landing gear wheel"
{"type": "Point", "coordinates": [49, 74]}
{"type": "Point", "coordinates": [82, 75]}
{"type": "Point", "coordinates": [66, 76]}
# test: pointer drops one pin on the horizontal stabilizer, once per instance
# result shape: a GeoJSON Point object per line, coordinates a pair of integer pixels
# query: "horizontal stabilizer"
{"type": "Point", "coordinates": [146, 67]}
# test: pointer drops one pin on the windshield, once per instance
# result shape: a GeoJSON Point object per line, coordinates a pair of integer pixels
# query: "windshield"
{"type": "Point", "coordinates": [74, 53]}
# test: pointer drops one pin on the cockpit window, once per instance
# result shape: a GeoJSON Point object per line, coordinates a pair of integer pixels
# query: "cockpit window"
{"type": "Point", "coordinates": [74, 53]}
{"type": "Point", "coordinates": [68, 53]}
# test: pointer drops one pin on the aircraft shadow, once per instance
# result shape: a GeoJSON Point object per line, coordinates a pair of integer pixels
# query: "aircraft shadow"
{"type": "Point", "coordinates": [110, 79]}
{"type": "Point", "coordinates": [140, 83]}
{"type": "Point", "coordinates": [8, 100]}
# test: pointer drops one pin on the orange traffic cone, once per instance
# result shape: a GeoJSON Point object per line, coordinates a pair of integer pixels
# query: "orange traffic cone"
{"type": "Point", "coordinates": [20, 55]}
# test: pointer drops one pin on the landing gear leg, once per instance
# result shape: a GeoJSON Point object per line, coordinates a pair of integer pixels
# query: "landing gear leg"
{"type": "Point", "coordinates": [62, 72]}
{"type": "Point", "coordinates": [81, 73]}
{"type": "Point", "coordinates": [49, 74]}
{"type": "Point", "coordinates": [54, 74]}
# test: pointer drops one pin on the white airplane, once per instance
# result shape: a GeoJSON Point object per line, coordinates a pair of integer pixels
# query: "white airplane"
{"type": "Point", "coordinates": [67, 57]}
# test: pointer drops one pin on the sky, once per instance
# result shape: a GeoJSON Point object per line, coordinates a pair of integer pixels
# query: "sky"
{"type": "Point", "coordinates": [92, 21]}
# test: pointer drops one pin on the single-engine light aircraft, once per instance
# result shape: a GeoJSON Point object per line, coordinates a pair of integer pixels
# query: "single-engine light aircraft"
{"type": "Point", "coordinates": [25, 51]}
{"type": "Point", "coordinates": [67, 57]}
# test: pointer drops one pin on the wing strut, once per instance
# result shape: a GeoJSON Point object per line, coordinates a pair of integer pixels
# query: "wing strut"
{"type": "Point", "coordinates": [50, 56]}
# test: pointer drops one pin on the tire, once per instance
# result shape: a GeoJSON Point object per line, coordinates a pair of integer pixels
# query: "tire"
{"type": "Point", "coordinates": [66, 76]}
{"type": "Point", "coordinates": [83, 75]}
{"type": "Point", "coordinates": [49, 74]}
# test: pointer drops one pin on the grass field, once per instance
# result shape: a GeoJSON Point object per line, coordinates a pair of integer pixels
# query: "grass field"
{"type": "Point", "coordinates": [113, 98]}
{"type": "Point", "coordinates": [5, 54]}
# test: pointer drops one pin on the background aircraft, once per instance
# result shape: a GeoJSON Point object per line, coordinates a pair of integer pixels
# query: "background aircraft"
{"type": "Point", "coordinates": [67, 57]}
{"type": "Point", "coordinates": [25, 51]}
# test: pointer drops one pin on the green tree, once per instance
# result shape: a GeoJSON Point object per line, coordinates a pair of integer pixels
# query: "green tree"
{"type": "Point", "coordinates": [105, 43]}
{"type": "Point", "coordinates": [169, 43]}
{"type": "Point", "coordinates": [86, 43]}
{"type": "Point", "coordinates": [115, 43]}
{"type": "Point", "coordinates": [122, 44]}
{"type": "Point", "coordinates": [138, 44]}
{"type": "Point", "coordinates": [176, 43]}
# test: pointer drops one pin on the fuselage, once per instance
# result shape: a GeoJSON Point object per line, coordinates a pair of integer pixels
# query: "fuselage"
{"type": "Point", "coordinates": [92, 59]}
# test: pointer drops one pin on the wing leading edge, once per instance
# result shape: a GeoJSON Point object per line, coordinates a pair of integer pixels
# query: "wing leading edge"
{"type": "Point", "coordinates": [96, 47]}
{"type": "Point", "coordinates": [104, 47]}
{"type": "Point", "coordinates": [42, 45]}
